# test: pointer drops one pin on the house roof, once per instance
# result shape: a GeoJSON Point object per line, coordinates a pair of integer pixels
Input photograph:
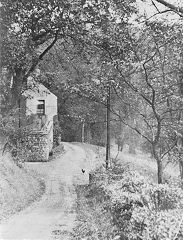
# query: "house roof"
{"type": "Point", "coordinates": [37, 90]}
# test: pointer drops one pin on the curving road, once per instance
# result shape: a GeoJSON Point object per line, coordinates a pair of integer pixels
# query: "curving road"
{"type": "Point", "coordinates": [54, 215]}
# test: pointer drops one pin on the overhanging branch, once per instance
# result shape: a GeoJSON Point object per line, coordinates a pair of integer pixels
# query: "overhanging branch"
{"type": "Point", "coordinates": [37, 60]}
{"type": "Point", "coordinates": [171, 6]}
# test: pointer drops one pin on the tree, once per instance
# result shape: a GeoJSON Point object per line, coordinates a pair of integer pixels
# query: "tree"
{"type": "Point", "coordinates": [31, 29]}
{"type": "Point", "coordinates": [146, 67]}
{"type": "Point", "coordinates": [100, 23]}
{"type": "Point", "coordinates": [153, 86]}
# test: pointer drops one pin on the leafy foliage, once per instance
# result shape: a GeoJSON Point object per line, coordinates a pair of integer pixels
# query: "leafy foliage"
{"type": "Point", "coordinates": [140, 209]}
{"type": "Point", "coordinates": [85, 47]}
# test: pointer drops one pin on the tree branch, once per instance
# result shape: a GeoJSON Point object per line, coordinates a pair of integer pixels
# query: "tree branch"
{"type": "Point", "coordinates": [178, 10]}
{"type": "Point", "coordinates": [155, 6]}
{"type": "Point", "coordinates": [130, 126]}
{"type": "Point", "coordinates": [37, 60]}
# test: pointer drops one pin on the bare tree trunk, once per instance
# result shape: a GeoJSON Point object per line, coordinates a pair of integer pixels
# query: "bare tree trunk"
{"type": "Point", "coordinates": [181, 166]}
{"type": "Point", "coordinates": [108, 130]}
{"type": "Point", "coordinates": [181, 169]}
{"type": "Point", "coordinates": [159, 165]}
{"type": "Point", "coordinates": [19, 113]}
{"type": "Point", "coordinates": [180, 148]}
{"type": "Point", "coordinates": [17, 82]}
{"type": "Point", "coordinates": [160, 171]}
{"type": "Point", "coordinates": [83, 132]}
{"type": "Point", "coordinates": [88, 133]}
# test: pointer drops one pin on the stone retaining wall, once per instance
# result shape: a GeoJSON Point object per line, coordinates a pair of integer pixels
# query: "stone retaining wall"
{"type": "Point", "coordinates": [33, 147]}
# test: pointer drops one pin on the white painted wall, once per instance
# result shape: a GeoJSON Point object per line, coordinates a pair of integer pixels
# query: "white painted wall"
{"type": "Point", "coordinates": [41, 93]}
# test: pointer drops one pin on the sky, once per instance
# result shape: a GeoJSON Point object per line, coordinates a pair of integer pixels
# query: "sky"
{"type": "Point", "coordinates": [146, 7]}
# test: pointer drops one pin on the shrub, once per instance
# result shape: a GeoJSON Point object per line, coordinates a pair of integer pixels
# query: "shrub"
{"type": "Point", "coordinates": [125, 196]}
{"type": "Point", "coordinates": [164, 197]}
{"type": "Point", "coordinates": [160, 225]}
{"type": "Point", "coordinates": [142, 210]}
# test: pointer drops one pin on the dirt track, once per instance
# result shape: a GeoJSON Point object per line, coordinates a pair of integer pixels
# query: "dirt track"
{"type": "Point", "coordinates": [54, 215]}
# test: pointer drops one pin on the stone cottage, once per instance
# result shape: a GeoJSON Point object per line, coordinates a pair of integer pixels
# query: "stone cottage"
{"type": "Point", "coordinates": [40, 108]}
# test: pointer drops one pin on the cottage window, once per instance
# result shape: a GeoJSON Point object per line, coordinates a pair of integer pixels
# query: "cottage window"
{"type": "Point", "coordinates": [41, 107]}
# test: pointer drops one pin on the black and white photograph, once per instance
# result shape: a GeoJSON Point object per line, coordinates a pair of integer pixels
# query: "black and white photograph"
{"type": "Point", "coordinates": [91, 119]}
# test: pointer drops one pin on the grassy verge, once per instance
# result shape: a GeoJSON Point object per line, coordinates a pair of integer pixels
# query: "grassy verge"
{"type": "Point", "coordinates": [93, 219]}
{"type": "Point", "coordinates": [18, 187]}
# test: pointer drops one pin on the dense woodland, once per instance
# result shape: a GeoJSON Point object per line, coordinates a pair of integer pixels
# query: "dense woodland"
{"type": "Point", "coordinates": [97, 57]}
